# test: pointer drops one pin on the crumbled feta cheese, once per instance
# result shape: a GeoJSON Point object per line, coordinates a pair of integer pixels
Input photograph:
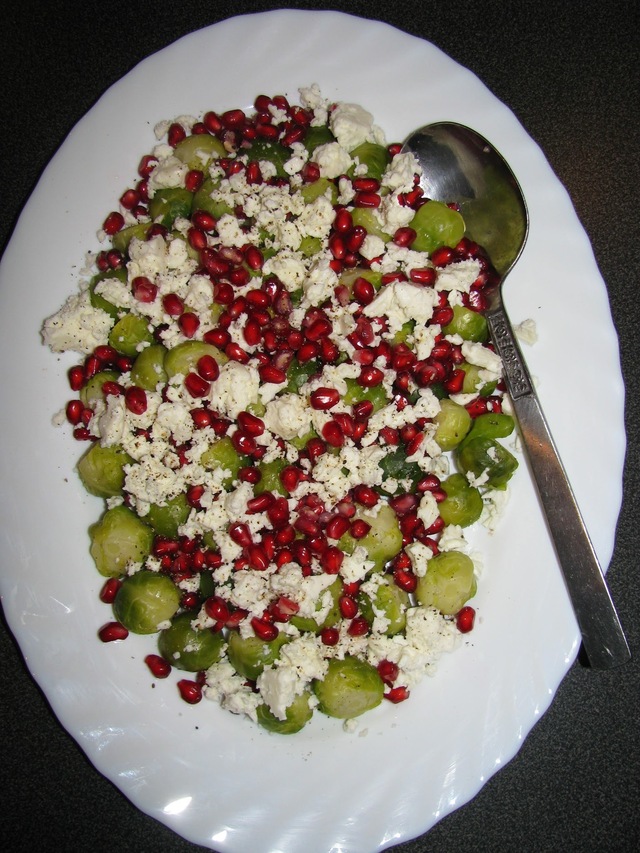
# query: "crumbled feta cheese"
{"type": "Point", "coordinates": [77, 326]}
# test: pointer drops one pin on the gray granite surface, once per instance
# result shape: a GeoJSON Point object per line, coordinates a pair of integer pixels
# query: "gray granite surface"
{"type": "Point", "coordinates": [570, 72]}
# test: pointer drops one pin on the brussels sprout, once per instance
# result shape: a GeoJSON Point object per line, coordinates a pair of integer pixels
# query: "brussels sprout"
{"type": "Point", "coordinates": [448, 583]}
{"type": "Point", "coordinates": [480, 455]}
{"type": "Point", "coordinates": [222, 454]}
{"type": "Point", "coordinates": [436, 225]}
{"type": "Point", "coordinates": [92, 391]}
{"type": "Point", "coordinates": [470, 325]}
{"type": "Point", "coordinates": [197, 151]}
{"type": "Point", "coordinates": [453, 422]}
{"type": "Point", "coordinates": [356, 393]}
{"type": "Point", "coordinates": [473, 382]}
{"type": "Point", "coordinates": [249, 655]}
{"type": "Point", "coordinates": [299, 373]}
{"type": "Point", "coordinates": [270, 477]}
{"type": "Point", "coordinates": [188, 648]}
{"type": "Point", "coordinates": [101, 470]}
{"type": "Point", "coordinates": [167, 518]}
{"type": "Point", "coordinates": [148, 368]}
{"type": "Point", "coordinates": [396, 467]}
{"type": "Point", "coordinates": [491, 425]}
{"type": "Point", "coordinates": [298, 715]}
{"type": "Point", "coordinates": [120, 537]}
{"type": "Point", "coordinates": [129, 333]}
{"type": "Point", "coordinates": [183, 358]}
{"type": "Point", "coordinates": [366, 218]}
{"type": "Point", "coordinates": [273, 152]}
{"type": "Point", "coordinates": [308, 623]}
{"type": "Point", "coordinates": [350, 687]}
{"type": "Point", "coordinates": [317, 136]}
{"type": "Point", "coordinates": [310, 192]}
{"type": "Point", "coordinates": [202, 200]}
{"type": "Point", "coordinates": [374, 156]}
{"type": "Point", "coordinates": [170, 204]}
{"type": "Point", "coordinates": [145, 600]}
{"type": "Point", "coordinates": [463, 504]}
{"type": "Point", "coordinates": [99, 301]}
{"type": "Point", "coordinates": [123, 238]}
{"type": "Point", "coordinates": [382, 542]}
{"type": "Point", "coordinates": [391, 601]}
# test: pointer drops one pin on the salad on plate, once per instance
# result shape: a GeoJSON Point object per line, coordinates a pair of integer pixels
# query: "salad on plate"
{"type": "Point", "coordinates": [289, 404]}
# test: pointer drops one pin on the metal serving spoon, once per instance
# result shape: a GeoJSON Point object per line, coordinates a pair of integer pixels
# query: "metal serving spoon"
{"type": "Point", "coordinates": [460, 166]}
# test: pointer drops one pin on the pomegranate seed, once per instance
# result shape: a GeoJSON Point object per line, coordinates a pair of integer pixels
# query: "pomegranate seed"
{"type": "Point", "coordinates": [254, 258]}
{"type": "Point", "coordinates": [397, 694]}
{"type": "Point", "coordinates": [365, 496]}
{"type": "Point", "coordinates": [203, 220]}
{"type": "Point", "coordinates": [330, 636]}
{"type": "Point", "coordinates": [363, 291]}
{"type": "Point", "coordinates": [190, 691]}
{"type": "Point", "coordinates": [465, 619]}
{"type": "Point", "coordinates": [212, 122]}
{"type": "Point", "coordinates": [240, 534]}
{"type": "Point", "coordinates": [175, 134]}
{"type": "Point", "coordinates": [135, 399]}
{"type": "Point", "coordinates": [113, 631]}
{"type": "Point", "coordinates": [194, 493]}
{"type": "Point", "coordinates": [404, 237]}
{"type": "Point", "coordinates": [110, 590]}
{"type": "Point", "coordinates": [196, 385]}
{"type": "Point", "coordinates": [337, 527]}
{"type": "Point", "coordinates": [370, 377]}
{"type": "Point", "coordinates": [158, 665]}
{"type": "Point", "coordinates": [359, 528]}
{"type": "Point", "coordinates": [76, 378]}
{"type": "Point", "coordinates": [236, 353]}
{"type": "Point", "coordinates": [243, 442]}
{"type": "Point", "coordinates": [343, 221]}
{"type": "Point", "coordinates": [193, 180]}
{"type": "Point", "coordinates": [425, 276]}
{"type": "Point", "coordinates": [74, 410]}
{"type": "Point", "coordinates": [113, 223]}
{"type": "Point", "coordinates": [443, 316]}
{"type": "Point", "coordinates": [172, 305]}
{"type": "Point", "coordinates": [208, 368]}
{"type": "Point", "coordinates": [331, 560]}
{"type": "Point", "coordinates": [129, 199]}
{"type": "Point", "coordinates": [348, 606]}
{"type": "Point", "coordinates": [189, 323]}
{"type": "Point", "coordinates": [217, 608]}
{"type": "Point", "coordinates": [367, 199]}
{"type": "Point", "coordinates": [257, 558]}
{"type": "Point", "coordinates": [218, 337]}
{"type": "Point", "coordinates": [264, 630]}
{"type": "Point", "coordinates": [405, 579]}
{"type": "Point", "coordinates": [388, 671]}
{"type": "Point", "coordinates": [333, 434]}
{"type": "Point", "coordinates": [443, 256]}
{"type": "Point", "coordinates": [143, 289]}
{"type": "Point", "coordinates": [251, 424]}
{"type": "Point", "coordinates": [358, 627]}
{"type": "Point", "coordinates": [324, 398]}
{"type": "Point", "coordinates": [233, 119]}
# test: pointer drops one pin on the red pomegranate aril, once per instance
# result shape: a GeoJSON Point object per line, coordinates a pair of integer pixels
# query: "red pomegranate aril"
{"type": "Point", "coordinates": [129, 199]}
{"type": "Point", "coordinates": [203, 221]}
{"type": "Point", "coordinates": [404, 237]}
{"type": "Point", "coordinates": [405, 579]}
{"type": "Point", "coordinates": [113, 631]}
{"type": "Point", "coordinates": [397, 694]}
{"type": "Point", "coordinates": [257, 557]}
{"type": "Point", "coordinates": [113, 223]}
{"type": "Point", "coordinates": [323, 398]}
{"type": "Point", "coordinates": [252, 333]}
{"type": "Point", "coordinates": [388, 671]}
{"type": "Point", "coordinates": [189, 323]}
{"type": "Point", "coordinates": [269, 373]}
{"type": "Point", "coordinates": [353, 241]}
{"type": "Point", "coordinates": [243, 442]}
{"type": "Point", "coordinates": [337, 527]}
{"type": "Point", "coordinates": [455, 382]}
{"type": "Point", "coordinates": [172, 304]}
{"type": "Point", "coordinates": [359, 528]}
{"type": "Point", "coordinates": [319, 328]}
{"type": "Point", "coordinates": [358, 627]}
{"type": "Point", "coordinates": [158, 666]}
{"type": "Point", "coordinates": [332, 433]}
{"type": "Point", "coordinates": [190, 691]}
{"type": "Point", "coordinates": [363, 291]}
{"type": "Point", "coordinates": [135, 399]}
{"type": "Point", "coordinates": [330, 636]}
{"type": "Point", "coordinates": [264, 630]}
{"type": "Point", "coordinates": [202, 418]}
{"type": "Point", "coordinates": [196, 385]}
{"type": "Point", "coordinates": [143, 289]}
{"type": "Point", "coordinates": [343, 221]}
{"type": "Point", "coordinates": [254, 258]}
{"type": "Point", "coordinates": [348, 606]}
{"type": "Point", "coordinates": [236, 353]}
{"type": "Point", "coordinates": [208, 368]}
{"type": "Point", "coordinates": [260, 503]}
{"type": "Point", "coordinates": [193, 180]}
{"type": "Point", "coordinates": [175, 134]}
{"type": "Point", "coordinates": [331, 560]}
{"type": "Point", "coordinates": [110, 590]}
{"type": "Point", "coordinates": [76, 378]}
{"type": "Point", "coordinates": [365, 496]}
{"type": "Point", "coordinates": [362, 411]}
{"type": "Point", "coordinates": [197, 238]}
{"type": "Point", "coordinates": [217, 608]}
{"type": "Point", "coordinates": [367, 199]}
{"type": "Point", "coordinates": [212, 122]}
{"type": "Point", "coordinates": [370, 377]}
{"type": "Point", "coordinates": [465, 619]}
{"type": "Point", "coordinates": [308, 351]}
{"type": "Point", "coordinates": [443, 256]}
{"type": "Point", "coordinates": [74, 410]}
{"type": "Point", "coordinates": [426, 276]}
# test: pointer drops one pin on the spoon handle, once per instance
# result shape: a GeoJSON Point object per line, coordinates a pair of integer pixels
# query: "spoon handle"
{"type": "Point", "coordinates": [602, 636]}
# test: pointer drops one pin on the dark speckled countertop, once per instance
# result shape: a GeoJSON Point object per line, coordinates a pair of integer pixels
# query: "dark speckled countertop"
{"type": "Point", "coordinates": [570, 73]}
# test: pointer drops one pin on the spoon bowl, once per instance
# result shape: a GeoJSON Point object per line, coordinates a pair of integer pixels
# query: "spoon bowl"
{"type": "Point", "coordinates": [459, 165]}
